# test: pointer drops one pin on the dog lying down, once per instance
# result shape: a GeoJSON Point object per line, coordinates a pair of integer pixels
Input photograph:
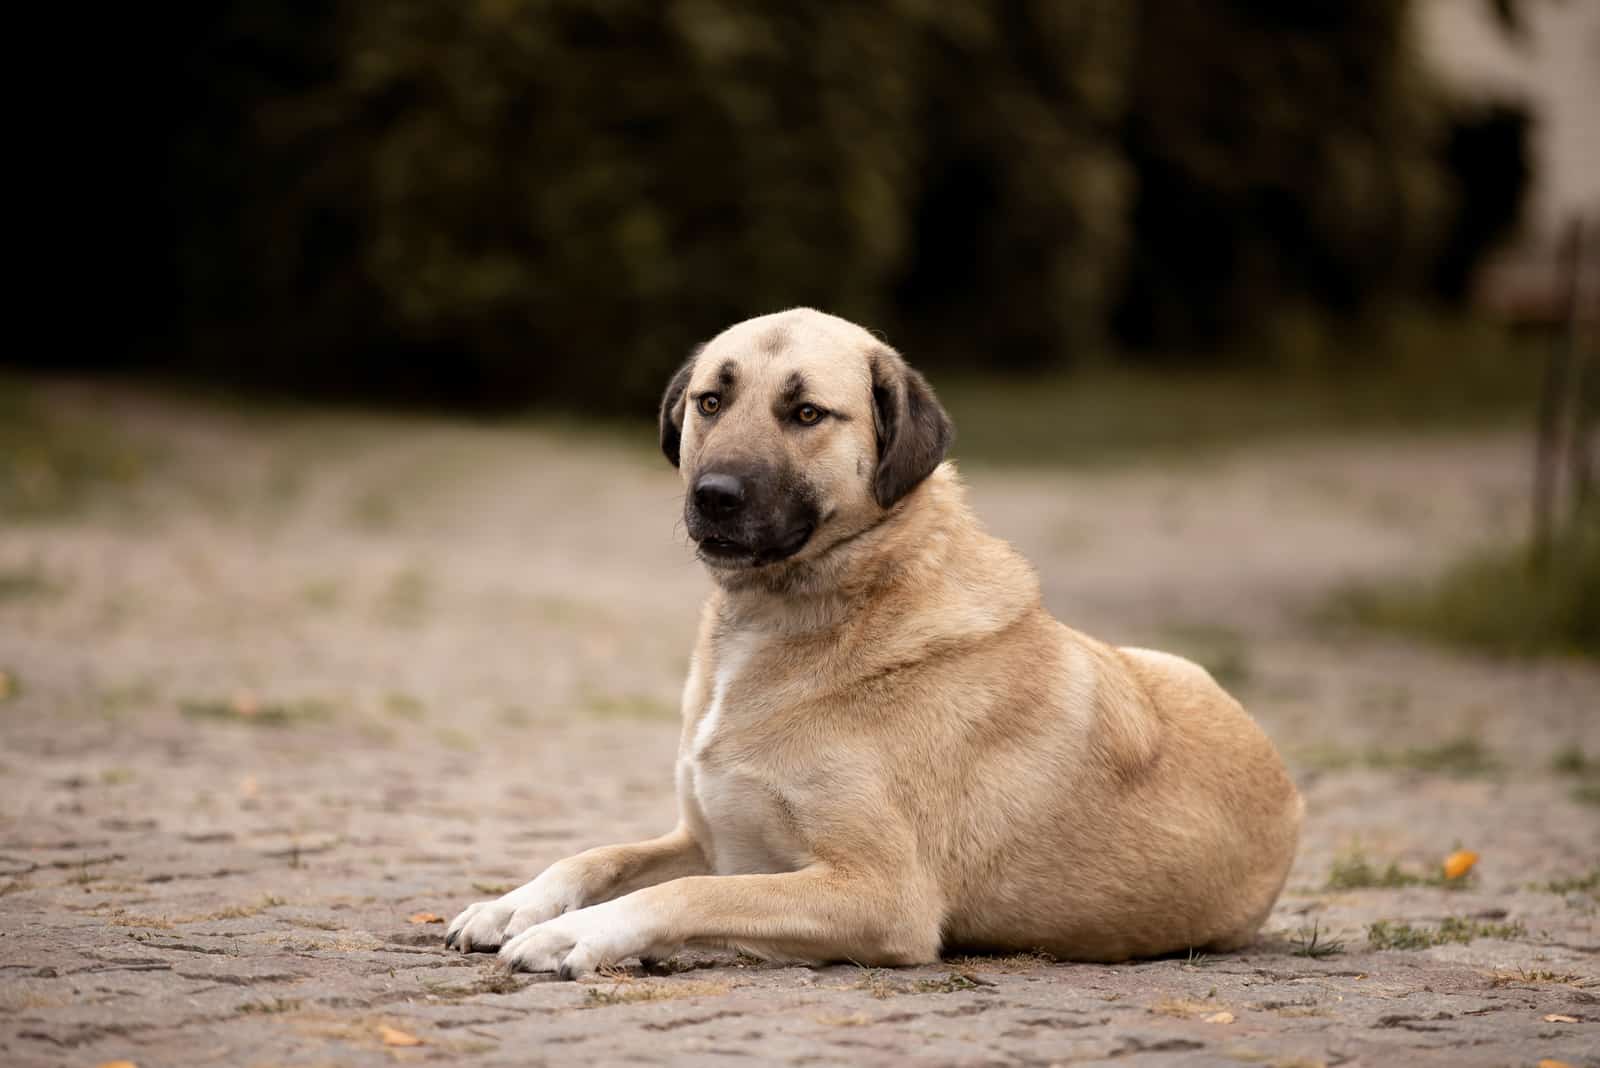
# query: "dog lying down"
{"type": "Point", "coordinates": [889, 748]}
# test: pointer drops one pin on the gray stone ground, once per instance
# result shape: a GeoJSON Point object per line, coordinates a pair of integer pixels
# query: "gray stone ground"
{"type": "Point", "coordinates": [313, 675]}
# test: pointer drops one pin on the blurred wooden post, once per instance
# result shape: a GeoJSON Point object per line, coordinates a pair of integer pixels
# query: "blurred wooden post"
{"type": "Point", "coordinates": [1547, 443]}
{"type": "Point", "coordinates": [1583, 326]}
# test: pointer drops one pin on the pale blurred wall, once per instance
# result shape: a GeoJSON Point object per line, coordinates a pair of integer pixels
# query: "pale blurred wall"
{"type": "Point", "coordinates": [1554, 68]}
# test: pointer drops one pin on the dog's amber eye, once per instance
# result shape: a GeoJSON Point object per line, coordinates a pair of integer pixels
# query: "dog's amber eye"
{"type": "Point", "coordinates": [709, 404]}
{"type": "Point", "coordinates": [808, 414]}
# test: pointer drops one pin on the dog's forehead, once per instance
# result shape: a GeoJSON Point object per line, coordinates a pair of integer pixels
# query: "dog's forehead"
{"type": "Point", "coordinates": [830, 355]}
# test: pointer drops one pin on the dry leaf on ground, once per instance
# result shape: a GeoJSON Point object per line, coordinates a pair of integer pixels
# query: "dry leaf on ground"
{"type": "Point", "coordinates": [393, 1036]}
{"type": "Point", "coordinates": [1459, 863]}
{"type": "Point", "coordinates": [1559, 1017]}
{"type": "Point", "coordinates": [1220, 1018]}
{"type": "Point", "coordinates": [116, 1064]}
{"type": "Point", "coordinates": [425, 917]}
{"type": "Point", "coordinates": [1551, 1062]}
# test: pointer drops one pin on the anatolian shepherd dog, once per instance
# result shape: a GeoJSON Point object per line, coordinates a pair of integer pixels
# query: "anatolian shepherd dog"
{"type": "Point", "coordinates": [890, 748]}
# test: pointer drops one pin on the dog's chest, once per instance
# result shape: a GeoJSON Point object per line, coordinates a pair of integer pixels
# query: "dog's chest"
{"type": "Point", "coordinates": [740, 817]}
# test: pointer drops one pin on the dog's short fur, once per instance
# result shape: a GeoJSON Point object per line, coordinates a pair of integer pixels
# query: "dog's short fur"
{"type": "Point", "coordinates": [889, 748]}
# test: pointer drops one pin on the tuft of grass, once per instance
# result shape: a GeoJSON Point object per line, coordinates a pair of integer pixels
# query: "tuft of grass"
{"type": "Point", "coordinates": [245, 709]}
{"type": "Point", "coordinates": [1537, 976]}
{"type": "Point", "coordinates": [52, 465]}
{"type": "Point", "coordinates": [628, 706]}
{"type": "Point", "coordinates": [1353, 871]}
{"type": "Point", "coordinates": [1588, 883]}
{"type": "Point", "coordinates": [404, 706]}
{"type": "Point", "coordinates": [1571, 760]}
{"type": "Point", "coordinates": [1425, 373]}
{"type": "Point", "coordinates": [455, 738]}
{"type": "Point", "coordinates": [1586, 793]}
{"type": "Point", "coordinates": [1217, 648]}
{"type": "Point", "coordinates": [946, 984]}
{"type": "Point", "coordinates": [1010, 964]}
{"type": "Point", "coordinates": [24, 581]}
{"type": "Point", "coordinates": [407, 597]}
{"type": "Point", "coordinates": [629, 991]}
{"type": "Point", "coordinates": [1496, 601]}
{"type": "Point", "coordinates": [1183, 1008]}
{"type": "Point", "coordinates": [1463, 757]}
{"type": "Point", "coordinates": [1309, 942]}
{"type": "Point", "coordinates": [268, 1008]}
{"type": "Point", "coordinates": [321, 595]}
{"type": "Point", "coordinates": [1385, 934]}
{"type": "Point", "coordinates": [877, 983]}
{"type": "Point", "coordinates": [494, 982]}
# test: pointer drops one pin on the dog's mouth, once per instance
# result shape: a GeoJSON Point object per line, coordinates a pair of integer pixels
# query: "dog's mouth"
{"type": "Point", "coordinates": [729, 553]}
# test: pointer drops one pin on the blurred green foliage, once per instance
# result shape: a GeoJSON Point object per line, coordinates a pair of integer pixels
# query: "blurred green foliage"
{"type": "Point", "coordinates": [50, 464]}
{"type": "Point", "coordinates": [504, 202]}
{"type": "Point", "coordinates": [1499, 600]}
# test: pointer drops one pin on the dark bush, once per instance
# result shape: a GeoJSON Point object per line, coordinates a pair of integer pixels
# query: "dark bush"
{"type": "Point", "coordinates": [508, 202]}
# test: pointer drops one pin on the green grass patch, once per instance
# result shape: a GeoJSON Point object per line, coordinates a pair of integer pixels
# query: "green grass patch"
{"type": "Point", "coordinates": [26, 581]}
{"type": "Point", "coordinates": [1219, 649]}
{"type": "Point", "coordinates": [404, 706]}
{"type": "Point", "coordinates": [1386, 934]}
{"type": "Point", "coordinates": [1413, 374]}
{"type": "Point", "coordinates": [1463, 757]}
{"type": "Point", "coordinates": [1572, 760]}
{"type": "Point", "coordinates": [1496, 601]}
{"type": "Point", "coordinates": [51, 464]}
{"type": "Point", "coordinates": [1588, 883]}
{"type": "Point", "coordinates": [250, 712]}
{"type": "Point", "coordinates": [628, 706]}
{"type": "Point", "coordinates": [1586, 793]}
{"type": "Point", "coordinates": [1353, 871]}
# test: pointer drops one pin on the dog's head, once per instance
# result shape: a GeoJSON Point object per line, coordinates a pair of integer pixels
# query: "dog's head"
{"type": "Point", "coordinates": [795, 432]}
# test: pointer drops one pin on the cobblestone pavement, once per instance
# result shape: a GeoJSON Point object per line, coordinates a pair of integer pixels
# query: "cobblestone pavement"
{"type": "Point", "coordinates": [306, 682]}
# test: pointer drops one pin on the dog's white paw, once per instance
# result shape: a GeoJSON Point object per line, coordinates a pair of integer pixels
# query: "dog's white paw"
{"type": "Point", "coordinates": [487, 925]}
{"type": "Point", "coordinates": [582, 942]}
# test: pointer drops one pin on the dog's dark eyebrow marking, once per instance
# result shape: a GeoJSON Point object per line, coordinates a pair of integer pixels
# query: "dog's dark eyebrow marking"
{"type": "Point", "coordinates": [727, 376]}
{"type": "Point", "coordinates": [794, 390]}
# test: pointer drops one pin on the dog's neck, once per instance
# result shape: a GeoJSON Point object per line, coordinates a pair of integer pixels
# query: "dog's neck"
{"type": "Point", "coordinates": [921, 544]}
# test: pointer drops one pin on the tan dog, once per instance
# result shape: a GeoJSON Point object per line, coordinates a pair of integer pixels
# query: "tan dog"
{"type": "Point", "coordinates": [889, 747]}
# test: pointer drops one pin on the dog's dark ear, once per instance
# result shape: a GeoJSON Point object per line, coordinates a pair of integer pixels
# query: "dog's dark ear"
{"type": "Point", "coordinates": [913, 430]}
{"type": "Point", "coordinates": [672, 408]}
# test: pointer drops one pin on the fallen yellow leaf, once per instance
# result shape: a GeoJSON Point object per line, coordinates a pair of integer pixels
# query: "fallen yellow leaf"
{"type": "Point", "coordinates": [1551, 1062]}
{"type": "Point", "coordinates": [1220, 1017]}
{"type": "Point", "coordinates": [1558, 1017]}
{"type": "Point", "coordinates": [116, 1064]}
{"type": "Point", "coordinates": [1459, 863]}
{"type": "Point", "coordinates": [393, 1036]}
{"type": "Point", "coordinates": [425, 917]}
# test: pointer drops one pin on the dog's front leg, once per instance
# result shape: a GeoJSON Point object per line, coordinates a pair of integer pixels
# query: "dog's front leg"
{"type": "Point", "coordinates": [588, 878]}
{"type": "Point", "coordinates": [819, 913]}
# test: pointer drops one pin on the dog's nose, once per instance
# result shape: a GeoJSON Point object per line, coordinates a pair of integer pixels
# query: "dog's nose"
{"type": "Point", "coordinates": [718, 495]}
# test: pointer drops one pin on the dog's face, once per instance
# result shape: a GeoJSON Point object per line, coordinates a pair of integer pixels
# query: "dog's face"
{"type": "Point", "coordinates": [795, 432]}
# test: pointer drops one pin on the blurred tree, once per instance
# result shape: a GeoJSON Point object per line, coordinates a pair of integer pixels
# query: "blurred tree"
{"type": "Point", "coordinates": [503, 202]}
{"type": "Point", "coordinates": [508, 199]}
{"type": "Point", "coordinates": [1285, 160]}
